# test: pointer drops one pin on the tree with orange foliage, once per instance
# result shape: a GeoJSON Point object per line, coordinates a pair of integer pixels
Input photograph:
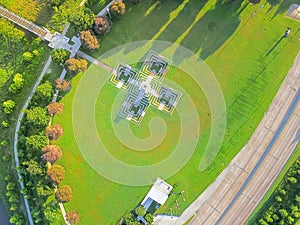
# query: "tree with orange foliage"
{"type": "Point", "coordinates": [73, 217]}
{"type": "Point", "coordinates": [101, 25]}
{"type": "Point", "coordinates": [117, 8]}
{"type": "Point", "coordinates": [76, 65]}
{"type": "Point", "coordinates": [62, 85]}
{"type": "Point", "coordinates": [51, 153]}
{"type": "Point", "coordinates": [89, 41]}
{"type": "Point", "coordinates": [55, 108]}
{"type": "Point", "coordinates": [64, 194]}
{"type": "Point", "coordinates": [54, 132]}
{"type": "Point", "coordinates": [56, 174]}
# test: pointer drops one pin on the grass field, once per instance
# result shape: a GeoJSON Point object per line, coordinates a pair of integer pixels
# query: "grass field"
{"type": "Point", "coordinates": [242, 45]}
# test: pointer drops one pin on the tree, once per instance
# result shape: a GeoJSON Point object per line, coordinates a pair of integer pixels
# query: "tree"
{"type": "Point", "coordinates": [140, 211]}
{"type": "Point", "coordinates": [117, 8]}
{"type": "Point", "coordinates": [64, 194]}
{"type": "Point", "coordinates": [73, 217]}
{"type": "Point", "coordinates": [44, 91]}
{"type": "Point", "coordinates": [293, 180]}
{"type": "Point", "coordinates": [283, 213]}
{"type": "Point", "coordinates": [54, 132]}
{"type": "Point", "coordinates": [60, 55]}
{"type": "Point", "coordinates": [8, 106]}
{"type": "Point", "coordinates": [17, 219]}
{"type": "Point", "coordinates": [55, 108]}
{"type": "Point", "coordinates": [36, 141]}
{"type": "Point", "coordinates": [38, 116]}
{"type": "Point", "coordinates": [52, 211]}
{"type": "Point", "coordinates": [28, 56]}
{"type": "Point", "coordinates": [149, 218]}
{"type": "Point", "coordinates": [83, 19]}
{"type": "Point", "coordinates": [76, 65]}
{"type": "Point", "coordinates": [62, 85]}
{"type": "Point", "coordinates": [18, 83]}
{"type": "Point", "coordinates": [56, 174]}
{"type": "Point", "coordinates": [51, 153]}
{"type": "Point", "coordinates": [33, 167]}
{"type": "Point", "coordinates": [89, 41]}
{"type": "Point", "coordinates": [101, 25]}
{"type": "Point", "coordinates": [43, 190]}
{"type": "Point", "coordinates": [129, 219]}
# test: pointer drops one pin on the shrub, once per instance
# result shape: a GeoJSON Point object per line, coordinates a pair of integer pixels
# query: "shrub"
{"type": "Point", "coordinates": [73, 217]}
{"type": "Point", "coordinates": [8, 106]}
{"type": "Point", "coordinates": [89, 41]}
{"type": "Point", "coordinates": [102, 25]}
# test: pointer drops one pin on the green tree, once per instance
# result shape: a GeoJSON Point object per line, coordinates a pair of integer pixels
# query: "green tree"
{"type": "Point", "coordinates": [44, 91]}
{"type": "Point", "coordinates": [43, 190]}
{"type": "Point", "coordinates": [60, 55]}
{"type": "Point", "coordinates": [38, 116]}
{"type": "Point", "coordinates": [117, 8]}
{"type": "Point", "coordinates": [140, 211]}
{"type": "Point", "coordinates": [293, 180]}
{"type": "Point", "coordinates": [52, 211]}
{"type": "Point", "coordinates": [283, 213]}
{"type": "Point", "coordinates": [76, 65]}
{"type": "Point", "coordinates": [33, 167]}
{"type": "Point", "coordinates": [64, 194]}
{"type": "Point", "coordinates": [83, 18]}
{"type": "Point", "coordinates": [28, 56]}
{"type": "Point", "coordinates": [8, 106]}
{"type": "Point", "coordinates": [18, 83]}
{"type": "Point", "coordinates": [73, 217]}
{"type": "Point", "coordinates": [17, 219]}
{"type": "Point", "coordinates": [56, 174]}
{"type": "Point", "coordinates": [149, 218]}
{"type": "Point", "coordinates": [36, 141]}
{"type": "Point", "coordinates": [129, 219]}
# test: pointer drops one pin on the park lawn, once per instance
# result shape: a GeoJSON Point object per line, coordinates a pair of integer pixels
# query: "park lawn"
{"type": "Point", "coordinates": [236, 46]}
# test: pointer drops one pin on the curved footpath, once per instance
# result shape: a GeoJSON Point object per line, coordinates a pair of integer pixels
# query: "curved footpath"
{"type": "Point", "coordinates": [240, 187]}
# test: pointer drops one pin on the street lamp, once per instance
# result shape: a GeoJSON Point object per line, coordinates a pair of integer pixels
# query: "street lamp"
{"type": "Point", "coordinates": [182, 195]}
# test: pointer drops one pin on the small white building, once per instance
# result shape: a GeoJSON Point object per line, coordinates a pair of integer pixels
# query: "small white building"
{"type": "Point", "coordinates": [157, 195]}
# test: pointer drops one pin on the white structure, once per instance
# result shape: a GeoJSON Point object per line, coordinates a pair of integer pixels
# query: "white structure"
{"type": "Point", "coordinates": [294, 12]}
{"type": "Point", "coordinates": [157, 195]}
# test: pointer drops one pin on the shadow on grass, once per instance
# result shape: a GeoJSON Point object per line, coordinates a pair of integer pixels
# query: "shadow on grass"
{"type": "Point", "coordinates": [213, 29]}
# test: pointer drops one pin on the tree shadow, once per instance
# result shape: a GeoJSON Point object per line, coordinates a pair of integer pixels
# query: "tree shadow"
{"type": "Point", "coordinates": [213, 29]}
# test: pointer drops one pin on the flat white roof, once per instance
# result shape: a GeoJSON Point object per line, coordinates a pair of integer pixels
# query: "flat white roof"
{"type": "Point", "coordinates": [159, 192]}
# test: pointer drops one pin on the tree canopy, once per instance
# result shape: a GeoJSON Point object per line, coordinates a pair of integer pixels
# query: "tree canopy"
{"type": "Point", "coordinates": [60, 55]}
{"type": "Point", "coordinates": [44, 91]}
{"type": "Point", "coordinates": [73, 217]}
{"type": "Point", "coordinates": [83, 18]}
{"type": "Point", "coordinates": [54, 132]}
{"type": "Point", "coordinates": [38, 116]}
{"type": "Point", "coordinates": [56, 174]}
{"type": "Point", "coordinates": [89, 41]}
{"type": "Point", "coordinates": [117, 8]}
{"type": "Point", "coordinates": [101, 25]}
{"type": "Point", "coordinates": [55, 108]}
{"type": "Point", "coordinates": [76, 65]}
{"type": "Point", "coordinates": [62, 85]}
{"type": "Point", "coordinates": [8, 106]}
{"type": "Point", "coordinates": [51, 153]}
{"type": "Point", "coordinates": [64, 193]}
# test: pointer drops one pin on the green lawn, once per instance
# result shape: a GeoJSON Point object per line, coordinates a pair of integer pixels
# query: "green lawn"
{"type": "Point", "coordinates": [235, 45]}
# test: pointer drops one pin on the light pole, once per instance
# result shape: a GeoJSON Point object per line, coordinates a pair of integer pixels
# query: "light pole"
{"type": "Point", "coordinates": [171, 212]}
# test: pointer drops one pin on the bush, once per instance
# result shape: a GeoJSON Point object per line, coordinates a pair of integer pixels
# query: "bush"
{"type": "Point", "coordinates": [76, 65]}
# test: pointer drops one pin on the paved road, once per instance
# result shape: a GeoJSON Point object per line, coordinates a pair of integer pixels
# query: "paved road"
{"type": "Point", "coordinates": [240, 187]}
{"type": "Point", "coordinates": [4, 218]}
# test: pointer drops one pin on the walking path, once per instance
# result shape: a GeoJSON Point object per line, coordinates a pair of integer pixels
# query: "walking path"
{"type": "Point", "coordinates": [240, 187]}
{"type": "Point", "coordinates": [16, 138]}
